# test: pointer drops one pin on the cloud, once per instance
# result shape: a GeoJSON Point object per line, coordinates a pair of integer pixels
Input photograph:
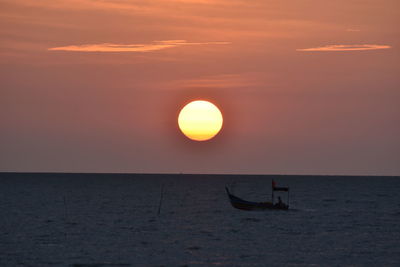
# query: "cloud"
{"type": "Point", "coordinates": [109, 47]}
{"type": "Point", "coordinates": [358, 47]}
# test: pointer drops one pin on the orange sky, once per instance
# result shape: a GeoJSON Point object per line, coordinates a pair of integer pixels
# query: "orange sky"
{"type": "Point", "coordinates": [306, 87]}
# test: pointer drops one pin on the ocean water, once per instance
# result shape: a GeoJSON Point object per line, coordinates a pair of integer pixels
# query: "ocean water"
{"type": "Point", "coordinates": [112, 220]}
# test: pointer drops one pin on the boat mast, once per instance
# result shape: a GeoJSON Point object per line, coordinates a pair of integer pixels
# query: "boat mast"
{"type": "Point", "coordinates": [272, 192]}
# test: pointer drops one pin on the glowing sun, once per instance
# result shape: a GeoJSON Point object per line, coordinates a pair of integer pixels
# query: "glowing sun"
{"type": "Point", "coordinates": [200, 120]}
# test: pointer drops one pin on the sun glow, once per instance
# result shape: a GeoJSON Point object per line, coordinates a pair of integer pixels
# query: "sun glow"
{"type": "Point", "coordinates": [200, 120]}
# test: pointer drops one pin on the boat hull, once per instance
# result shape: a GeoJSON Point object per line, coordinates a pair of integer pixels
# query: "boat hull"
{"type": "Point", "coordinates": [241, 204]}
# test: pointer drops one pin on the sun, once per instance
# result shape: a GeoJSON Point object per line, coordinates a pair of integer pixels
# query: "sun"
{"type": "Point", "coordinates": [200, 120]}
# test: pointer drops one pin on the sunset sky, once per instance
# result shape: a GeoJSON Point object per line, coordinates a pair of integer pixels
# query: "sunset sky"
{"type": "Point", "coordinates": [305, 86]}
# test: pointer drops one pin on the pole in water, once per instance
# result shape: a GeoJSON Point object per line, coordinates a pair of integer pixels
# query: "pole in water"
{"type": "Point", "coordinates": [161, 197]}
{"type": "Point", "coordinates": [65, 217]}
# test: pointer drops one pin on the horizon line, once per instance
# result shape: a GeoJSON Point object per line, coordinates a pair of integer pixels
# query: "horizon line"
{"type": "Point", "coordinates": [192, 174]}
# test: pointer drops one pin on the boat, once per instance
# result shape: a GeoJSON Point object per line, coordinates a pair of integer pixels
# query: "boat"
{"type": "Point", "coordinates": [242, 204]}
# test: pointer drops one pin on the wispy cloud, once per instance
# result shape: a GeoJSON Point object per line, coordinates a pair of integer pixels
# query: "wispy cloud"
{"type": "Point", "coordinates": [110, 47]}
{"type": "Point", "coordinates": [357, 47]}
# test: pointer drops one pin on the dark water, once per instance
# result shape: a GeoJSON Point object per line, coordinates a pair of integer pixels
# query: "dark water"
{"type": "Point", "coordinates": [111, 220]}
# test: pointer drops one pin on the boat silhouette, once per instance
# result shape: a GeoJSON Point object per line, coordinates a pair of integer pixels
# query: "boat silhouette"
{"type": "Point", "coordinates": [242, 204]}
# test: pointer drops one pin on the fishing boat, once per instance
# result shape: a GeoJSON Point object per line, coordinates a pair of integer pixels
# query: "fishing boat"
{"type": "Point", "coordinates": [241, 204]}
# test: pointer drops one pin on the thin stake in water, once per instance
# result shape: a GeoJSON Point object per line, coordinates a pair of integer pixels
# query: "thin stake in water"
{"type": "Point", "coordinates": [65, 217]}
{"type": "Point", "coordinates": [161, 197]}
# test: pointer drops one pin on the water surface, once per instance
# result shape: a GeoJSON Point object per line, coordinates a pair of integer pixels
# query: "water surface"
{"type": "Point", "coordinates": [112, 220]}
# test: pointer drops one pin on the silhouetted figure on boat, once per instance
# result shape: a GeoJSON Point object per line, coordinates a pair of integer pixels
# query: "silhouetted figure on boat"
{"type": "Point", "coordinates": [280, 204]}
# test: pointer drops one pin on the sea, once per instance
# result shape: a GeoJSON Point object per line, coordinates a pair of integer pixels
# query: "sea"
{"type": "Point", "coordinates": [60, 219]}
